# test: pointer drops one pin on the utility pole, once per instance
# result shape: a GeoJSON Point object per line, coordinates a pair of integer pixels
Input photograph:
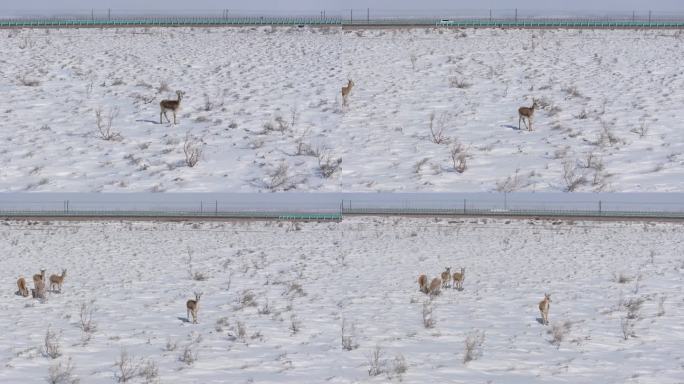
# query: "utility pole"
{"type": "Point", "coordinates": [490, 15]}
{"type": "Point", "coordinates": [351, 16]}
{"type": "Point", "coordinates": [516, 15]}
{"type": "Point", "coordinates": [649, 17]}
{"type": "Point", "coordinates": [92, 14]}
{"type": "Point", "coordinates": [368, 16]}
{"type": "Point", "coordinates": [109, 14]}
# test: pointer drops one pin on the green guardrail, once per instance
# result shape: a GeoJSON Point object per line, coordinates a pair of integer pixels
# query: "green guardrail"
{"type": "Point", "coordinates": [190, 21]}
{"type": "Point", "coordinates": [176, 214]}
{"type": "Point", "coordinates": [512, 213]}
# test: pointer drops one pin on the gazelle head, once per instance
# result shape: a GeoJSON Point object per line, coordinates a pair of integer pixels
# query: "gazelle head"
{"type": "Point", "coordinates": [447, 269]}
{"type": "Point", "coordinates": [350, 83]}
{"type": "Point", "coordinates": [535, 103]}
{"type": "Point", "coordinates": [462, 271]}
{"type": "Point", "coordinates": [63, 272]}
{"type": "Point", "coordinates": [547, 297]}
{"type": "Point", "coordinates": [197, 296]}
{"type": "Point", "coordinates": [180, 95]}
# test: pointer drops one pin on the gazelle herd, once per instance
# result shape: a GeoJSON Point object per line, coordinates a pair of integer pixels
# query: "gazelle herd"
{"type": "Point", "coordinates": [455, 281]}
{"type": "Point", "coordinates": [39, 287]}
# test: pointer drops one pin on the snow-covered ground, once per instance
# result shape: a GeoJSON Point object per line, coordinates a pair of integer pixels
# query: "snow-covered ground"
{"type": "Point", "coordinates": [611, 118]}
{"type": "Point", "coordinates": [290, 286]}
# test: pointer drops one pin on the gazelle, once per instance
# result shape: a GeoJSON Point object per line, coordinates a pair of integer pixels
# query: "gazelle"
{"type": "Point", "coordinates": [23, 289]}
{"type": "Point", "coordinates": [423, 283]}
{"type": "Point", "coordinates": [39, 289]}
{"type": "Point", "coordinates": [39, 276]}
{"type": "Point", "coordinates": [544, 308]}
{"type": "Point", "coordinates": [446, 277]}
{"type": "Point", "coordinates": [56, 280]}
{"type": "Point", "coordinates": [193, 307]}
{"type": "Point", "coordinates": [458, 278]}
{"type": "Point", "coordinates": [435, 284]}
{"type": "Point", "coordinates": [527, 113]}
{"type": "Point", "coordinates": [170, 105]}
{"type": "Point", "coordinates": [346, 90]}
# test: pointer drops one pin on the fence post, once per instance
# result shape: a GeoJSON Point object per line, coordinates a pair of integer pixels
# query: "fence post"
{"type": "Point", "coordinates": [516, 15]}
{"type": "Point", "coordinates": [201, 206]}
{"type": "Point", "coordinates": [464, 206]}
{"type": "Point", "coordinates": [368, 15]}
{"type": "Point", "coordinates": [600, 208]}
{"type": "Point", "coordinates": [351, 16]}
{"type": "Point", "coordinates": [649, 17]}
{"type": "Point", "coordinates": [109, 14]}
{"type": "Point", "coordinates": [490, 15]}
{"type": "Point", "coordinates": [216, 208]}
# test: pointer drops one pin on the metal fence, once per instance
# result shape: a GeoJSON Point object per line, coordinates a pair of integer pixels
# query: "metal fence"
{"type": "Point", "coordinates": [342, 19]}
{"type": "Point", "coordinates": [335, 206]}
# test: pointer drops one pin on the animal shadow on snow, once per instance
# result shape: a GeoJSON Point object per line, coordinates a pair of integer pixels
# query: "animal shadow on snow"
{"type": "Point", "coordinates": [540, 320]}
{"type": "Point", "coordinates": [148, 121]}
{"type": "Point", "coordinates": [513, 127]}
{"type": "Point", "coordinates": [183, 319]}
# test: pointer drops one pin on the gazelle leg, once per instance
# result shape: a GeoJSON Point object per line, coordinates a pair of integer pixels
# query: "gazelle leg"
{"type": "Point", "coordinates": [174, 117]}
{"type": "Point", "coordinates": [188, 316]}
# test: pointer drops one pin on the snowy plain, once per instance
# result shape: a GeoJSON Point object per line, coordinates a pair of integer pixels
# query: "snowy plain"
{"type": "Point", "coordinates": [275, 296]}
{"type": "Point", "coordinates": [611, 116]}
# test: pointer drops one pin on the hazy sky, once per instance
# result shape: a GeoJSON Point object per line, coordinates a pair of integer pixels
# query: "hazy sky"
{"type": "Point", "coordinates": [280, 5]}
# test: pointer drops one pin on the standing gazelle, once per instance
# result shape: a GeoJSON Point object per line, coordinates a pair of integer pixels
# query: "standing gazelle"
{"type": "Point", "coordinates": [423, 283]}
{"type": "Point", "coordinates": [446, 277]}
{"type": "Point", "coordinates": [458, 278]}
{"type": "Point", "coordinates": [193, 307]}
{"type": "Point", "coordinates": [346, 90]}
{"type": "Point", "coordinates": [527, 113]}
{"type": "Point", "coordinates": [544, 308]}
{"type": "Point", "coordinates": [23, 289]}
{"type": "Point", "coordinates": [170, 105]}
{"type": "Point", "coordinates": [39, 276]}
{"type": "Point", "coordinates": [435, 284]}
{"type": "Point", "coordinates": [56, 280]}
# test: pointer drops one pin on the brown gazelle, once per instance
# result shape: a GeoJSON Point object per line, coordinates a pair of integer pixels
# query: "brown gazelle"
{"type": "Point", "coordinates": [39, 276]}
{"type": "Point", "coordinates": [56, 280]}
{"type": "Point", "coordinates": [435, 284]}
{"type": "Point", "coordinates": [446, 277]}
{"type": "Point", "coordinates": [423, 283]}
{"type": "Point", "coordinates": [38, 292]}
{"type": "Point", "coordinates": [23, 289]}
{"type": "Point", "coordinates": [346, 90]}
{"type": "Point", "coordinates": [170, 105]}
{"type": "Point", "coordinates": [193, 307]}
{"type": "Point", "coordinates": [458, 278]}
{"type": "Point", "coordinates": [527, 113]}
{"type": "Point", "coordinates": [544, 308]}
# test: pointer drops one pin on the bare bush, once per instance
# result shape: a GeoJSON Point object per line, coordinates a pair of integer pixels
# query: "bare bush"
{"type": "Point", "coordinates": [627, 328]}
{"type": "Point", "coordinates": [633, 307]}
{"type": "Point", "coordinates": [459, 157]}
{"type": "Point", "coordinates": [437, 128]}
{"type": "Point", "coordinates": [62, 373]}
{"type": "Point", "coordinates": [188, 356]}
{"type": "Point", "coordinates": [512, 183]}
{"type": "Point", "coordinates": [104, 124]}
{"type": "Point", "coordinates": [414, 60]}
{"type": "Point", "coordinates": [327, 164]}
{"type": "Point", "coordinates": [149, 371]}
{"type": "Point", "coordinates": [279, 178]}
{"type": "Point", "coordinates": [558, 332]}
{"type": "Point", "coordinates": [247, 299]}
{"type": "Point", "coordinates": [428, 320]}
{"type": "Point", "coordinates": [459, 83]}
{"type": "Point", "coordinates": [642, 129]}
{"type": "Point", "coordinates": [376, 364]}
{"type": "Point", "coordinates": [126, 368]}
{"type": "Point", "coordinates": [238, 332]}
{"type": "Point", "coordinates": [348, 337]}
{"type": "Point", "coordinates": [399, 366]}
{"type": "Point", "coordinates": [572, 178]}
{"type": "Point", "coordinates": [51, 347]}
{"type": "Point", "coordinates": [473, 346]}
{"type": "Point", "coordinates": [571, 91]}
{"type": "Point", "coordinates": [265, 309]}
{"type": "Point", "coordinates": [170, 345]}
{"type": "Point", "coordinates": [192, 148]}
{"type": "Point", "coordinates": [86, 323]}
{"type": "Point", "coordinates": [295, 324]}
